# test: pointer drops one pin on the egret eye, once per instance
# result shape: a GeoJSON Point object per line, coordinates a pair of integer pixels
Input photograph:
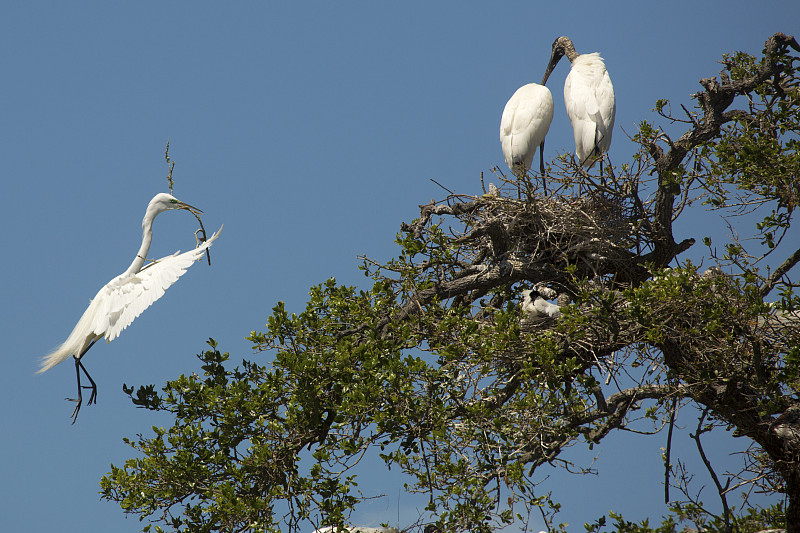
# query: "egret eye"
{"type": "Point", "coordinates": [173, 201]}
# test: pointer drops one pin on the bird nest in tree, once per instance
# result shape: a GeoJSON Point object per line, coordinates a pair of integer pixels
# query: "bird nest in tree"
{"type": "Point", "coordinates": [598, 233]}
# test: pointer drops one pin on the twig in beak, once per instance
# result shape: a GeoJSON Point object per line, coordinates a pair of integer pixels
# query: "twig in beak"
{"type": "Point", "coordinates": [202, 238]}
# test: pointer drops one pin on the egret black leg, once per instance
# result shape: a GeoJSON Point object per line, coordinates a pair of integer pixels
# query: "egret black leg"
{"type": "Point", "coordinates": [79, 399]}
{"type": "Point", "coordinates": [541, 166]}
{"type": "Point", "coordinates": [93, 397]}
{"type": "Point", "coordinates": [541, 158]}
{"type": "Point", "coordinates": [602, 177]}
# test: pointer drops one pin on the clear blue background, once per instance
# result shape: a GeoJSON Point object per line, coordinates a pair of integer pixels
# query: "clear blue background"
{"type": "Point", "coordinates": [311, 131]}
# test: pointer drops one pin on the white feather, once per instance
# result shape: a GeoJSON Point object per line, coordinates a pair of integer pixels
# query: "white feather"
{"type": "Point", "coordinates": [525, 122]}
{"type": "Point", "coordinates": [123, 299]}
{"type": "Point", "coordinates": [538, 306]}
{"type": "Point", "coordinates": [591, 107]}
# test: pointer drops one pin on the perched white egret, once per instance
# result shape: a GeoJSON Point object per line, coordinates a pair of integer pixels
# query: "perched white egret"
{"type": "Point", "coordinates": [535, 306]}
{"type": "Point", "coordinates": [589, 99]}
{"type": "Point", "coordinates": [524, 125]}
{"type": "Point", "coordinates": [124, 298]}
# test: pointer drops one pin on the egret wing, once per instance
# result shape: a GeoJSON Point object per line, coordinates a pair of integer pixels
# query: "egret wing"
{"type": "Point", "coordinates": [576, 93]}
{"type": "Point", "coordinates": [525, 122]}
{"type": "Point", "coordinates": [584, 129]}
{"type": "Point", "coordinates": [125, 297]}
{"type": "Point", "coordinates": [589, 99]}
{"type": "Point", "coordinates": [606, 111]}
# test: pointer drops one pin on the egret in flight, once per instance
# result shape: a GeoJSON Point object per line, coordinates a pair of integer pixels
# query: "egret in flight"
{"type": "Point", "coordinates": [525, 122]}
{"type": "Point", "coordinates": [124, 298]}
{"type": "Point", "coordinates": [589, 99]}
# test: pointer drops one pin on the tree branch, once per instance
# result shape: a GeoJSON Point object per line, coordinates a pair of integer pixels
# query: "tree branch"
{"type": "Point", "coordinates": [720, 489]}
{"type": "Point", "coordinates": [713, 101]}
{"type": "Point", "coordinates": [778, 273]}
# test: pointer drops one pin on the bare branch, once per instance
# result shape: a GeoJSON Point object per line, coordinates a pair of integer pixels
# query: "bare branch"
{"type": "Point", "coordinates": [779, 272]}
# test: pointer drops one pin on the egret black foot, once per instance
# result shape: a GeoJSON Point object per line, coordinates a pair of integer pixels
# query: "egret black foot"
{"type": "Point", "coordinates": [74, 414]}
{"type": "Point", "coordinates": [93, 395]}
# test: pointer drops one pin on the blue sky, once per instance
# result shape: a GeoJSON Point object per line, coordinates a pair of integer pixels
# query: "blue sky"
{"type": "Point", "coordinates": [311, 130]}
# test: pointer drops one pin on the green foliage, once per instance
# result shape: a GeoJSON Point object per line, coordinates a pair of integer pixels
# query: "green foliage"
{"type": "Point", "coordinates": [751, 521]}
{"type": "Point", "coordinates": [342, 382]}
{"type": "Point", "coordinates": [239, 434]}
{"type": "Point", "coordinates": [757, 151]}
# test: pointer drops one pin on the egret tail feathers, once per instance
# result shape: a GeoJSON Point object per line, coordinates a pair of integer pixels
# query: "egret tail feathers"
{"type": "Point", "coordinates": [66, 349]}
{"type": "Point", "coordinates": [53, 358]}
{"type": "Point", "coordinates": [80, 339]}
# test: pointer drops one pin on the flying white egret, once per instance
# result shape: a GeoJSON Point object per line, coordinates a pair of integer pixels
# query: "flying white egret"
{"type": "Point", "coordinates": [589, 99]}
{"type": "Point", "coordinates": [524, 125]}
{"type": "Point", "coordinates": [124, 298]}
{"type": "Point", "coordinates": [535, 306]}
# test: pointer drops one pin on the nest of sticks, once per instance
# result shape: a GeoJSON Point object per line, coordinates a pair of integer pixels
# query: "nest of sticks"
{"type": "Point", "coordinates": [598, 232]}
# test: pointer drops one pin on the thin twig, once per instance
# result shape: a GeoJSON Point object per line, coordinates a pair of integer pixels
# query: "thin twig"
{"type": "Point", "coordinates": [171, 165]}
{"type": "Point", "coordinates": [668, 453]}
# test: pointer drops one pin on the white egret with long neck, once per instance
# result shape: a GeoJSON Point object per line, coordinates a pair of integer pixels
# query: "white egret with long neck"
{"type": "Point", "coordinates": [124, 298]}
{"type": "Point", "coordinates": [589, 99]}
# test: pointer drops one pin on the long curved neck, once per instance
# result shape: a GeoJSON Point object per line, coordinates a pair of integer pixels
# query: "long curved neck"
{"type": "Point", "coordinates": [569, 50]}
{"type": "Point", "coordinates": [141, 255]}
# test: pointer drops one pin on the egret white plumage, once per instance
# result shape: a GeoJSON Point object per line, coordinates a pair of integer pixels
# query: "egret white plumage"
{"type": "Point", "coordinates": [124, 298]}
{"type": "Point", "coordinates": [589, 99]}
{"type": "Point", "coordinates": [535, 306]}
{"type": "Point", "coordinates": [525, 122]}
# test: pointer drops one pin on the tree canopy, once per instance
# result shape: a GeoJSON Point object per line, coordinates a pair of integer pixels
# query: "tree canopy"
{"type": "Point", "coordinates": [437, 369]}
